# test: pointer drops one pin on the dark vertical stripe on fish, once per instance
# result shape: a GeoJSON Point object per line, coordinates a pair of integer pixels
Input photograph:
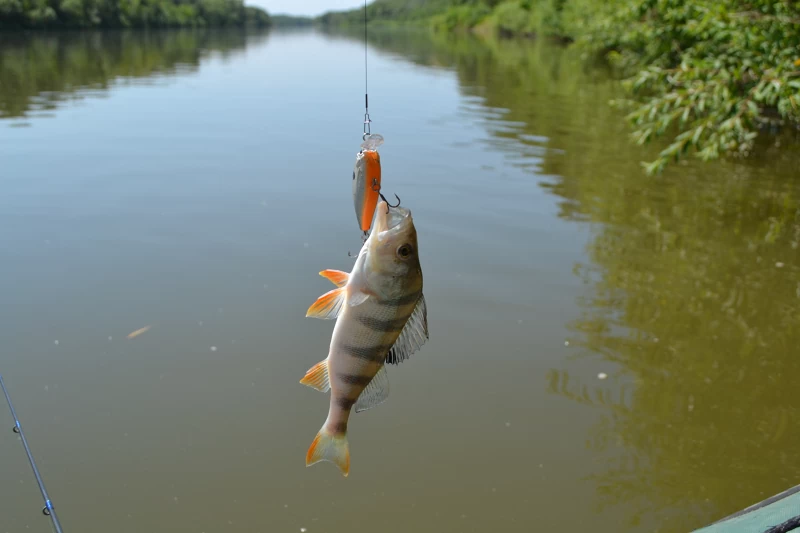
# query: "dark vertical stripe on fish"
{"type": "Point", "coordinates": [402, 300]}
{"type": "Point", "coordinates": [340, 428]}
{"type": "Point", "coordinates": [384, 326]}
{"type": "Point", "coordinates": [374, 354]}
{"type": "Point", "coordinates": [355, 379]}
{"type": "Point", "coordinates": [345, 403]}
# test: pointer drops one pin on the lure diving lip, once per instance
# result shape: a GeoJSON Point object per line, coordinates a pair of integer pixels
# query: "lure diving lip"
{"type": "Point", "coordinates": [367, 181]}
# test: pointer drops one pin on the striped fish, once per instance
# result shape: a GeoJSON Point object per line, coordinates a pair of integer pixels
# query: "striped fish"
{"type": "Point", "coordinates": [380, 318]}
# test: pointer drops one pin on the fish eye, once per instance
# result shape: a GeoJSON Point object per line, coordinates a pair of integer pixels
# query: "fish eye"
{"type": "Point", "coordinates": [405, 251]}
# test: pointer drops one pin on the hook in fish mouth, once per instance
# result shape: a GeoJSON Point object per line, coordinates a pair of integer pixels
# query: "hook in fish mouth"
{"type": "Point", "coordinates": [387, 201]}
{"type": "Point", "coordinates": [390, 218]}
{"type": "Point", "coordinates": [397, 217]}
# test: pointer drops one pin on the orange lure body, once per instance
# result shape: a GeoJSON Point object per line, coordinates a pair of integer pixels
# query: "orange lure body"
{"type": "Point", "coordinates": [366, 186]}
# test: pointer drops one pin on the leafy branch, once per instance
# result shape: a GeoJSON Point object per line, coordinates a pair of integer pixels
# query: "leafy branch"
{"type": "Point", "coordinates": [711, 75]}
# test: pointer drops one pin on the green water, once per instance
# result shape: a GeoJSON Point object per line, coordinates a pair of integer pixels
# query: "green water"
{"type": "Point", "coordinates": [608, 351]}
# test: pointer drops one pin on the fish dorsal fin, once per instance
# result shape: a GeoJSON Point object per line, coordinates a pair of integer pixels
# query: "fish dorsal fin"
{"type": "Point", "coordinates": [337, 277]}
{"type": "Point", "coordinates": [413, 336]}
{"type": "Point", "coordinates": [329, 305]}
{"type": "Point", "coordinates": [317, 377]}
{"type": "Point", "coordinates": [375, 393]}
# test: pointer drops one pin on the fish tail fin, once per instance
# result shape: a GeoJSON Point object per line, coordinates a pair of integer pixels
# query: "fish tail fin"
{"type": "Point", "coordinates": [330, 446]}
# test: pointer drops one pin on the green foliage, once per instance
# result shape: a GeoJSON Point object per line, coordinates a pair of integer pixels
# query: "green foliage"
{"type": "Point", "coordinates": [392, 10]}
{"type": "Point", "coordinates": [461, 17]}
{"type": "Point", "coordinates": [22, 14]}
{"type": "Point", "coordinates": [254, 16]}
{"type": "Point", "coordinates": [511, 18]}
{"type": "Point", "coordinates": [712, 74]}
{"type": "Point", "coordinates": [550, 18]}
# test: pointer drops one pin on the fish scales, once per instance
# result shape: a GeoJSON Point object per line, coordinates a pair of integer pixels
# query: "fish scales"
{"type": "Point", "coordinates": [358, 350]}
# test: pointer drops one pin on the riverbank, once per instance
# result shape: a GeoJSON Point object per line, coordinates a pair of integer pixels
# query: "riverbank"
{"type": "Point", "coordinates": [712, 78]}
{"type": "Point", "coordinates": [116, 14]}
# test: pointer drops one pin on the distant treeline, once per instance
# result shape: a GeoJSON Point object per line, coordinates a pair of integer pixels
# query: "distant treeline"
{"type": "Point", "coordinates": [710, 75]}
{"type": "Point", "coordinates": [288, 21]}
{"type": "Point", "coordinates": [31, 14]}
{"type": "Point", "coordinates": [390, 11]}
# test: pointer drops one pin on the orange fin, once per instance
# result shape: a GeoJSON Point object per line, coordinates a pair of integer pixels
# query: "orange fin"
{"type": "Point", "coordinates": [330, 447]}
{"type": "Point", "coordinates": [337, 277]}
{"type": "Point", "coordinates": [329, 305]}
{"type": "Point", "coordinates": [317, 377]}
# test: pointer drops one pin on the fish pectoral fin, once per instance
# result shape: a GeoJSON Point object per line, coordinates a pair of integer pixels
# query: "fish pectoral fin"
{"type": "Point", "coordinates": [413, 336]}
{"type": "Point", "coordinates": [317, 377]}
{"type": "Point", "coordinates": [358, 290]}
{"type": "Point", "coordinates": [357, 297]}
{"type": "Point", "coordinates": [328, 446]}
{"type": "Point", "coordinates": [337, 277]}
{"type": "Point", "coordinates": [329, 305]}
{"type": "Point", "coordinates": [375, 393]}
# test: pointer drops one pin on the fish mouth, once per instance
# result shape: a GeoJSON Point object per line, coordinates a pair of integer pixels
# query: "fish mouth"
{"type": "Point", "coordinates": [389, 218]}
{"type": "Point", "coordinates": [396, 216]}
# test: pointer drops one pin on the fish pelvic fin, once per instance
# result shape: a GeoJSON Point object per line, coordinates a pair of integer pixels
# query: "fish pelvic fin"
{"type": "Point", "coordinates": [337, 277]}
{"type": "Point", "coordinates": [332, 447]}
{"type": "Point", "coordinates": [329, 305]}
{"type": "Point", "coordinates": [317, 377]}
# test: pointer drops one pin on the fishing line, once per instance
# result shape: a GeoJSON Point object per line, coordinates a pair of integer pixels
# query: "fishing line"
{"type": "Point", "coordinates": [366, 81]}
{"type": "Point", "coordinates": [48, 510]}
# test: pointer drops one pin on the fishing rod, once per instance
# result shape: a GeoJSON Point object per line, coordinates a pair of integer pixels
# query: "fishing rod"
{"type": "Point", "coordinates": [48, 510]}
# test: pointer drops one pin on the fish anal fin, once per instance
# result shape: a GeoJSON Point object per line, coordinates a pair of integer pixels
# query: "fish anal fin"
{"type": "Point", "coordinates": [337, 277]}
{"type": "Point", "coordinates": [328, 306]}
{"type": "Point", "coordinates": [413, 336]}
{"type": "Point", "coordinates": [375, 393]}
{"type": "Point", "coordinates": [328, 446]}
{"type": "Point", "coordinates": [317, 377]}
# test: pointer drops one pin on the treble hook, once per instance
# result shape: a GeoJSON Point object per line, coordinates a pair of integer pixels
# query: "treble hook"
{"type": "Point", "coordinates": [387, 201]}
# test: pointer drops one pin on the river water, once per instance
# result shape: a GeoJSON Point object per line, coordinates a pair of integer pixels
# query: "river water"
{"type": "Point", "coordinates": [608, 351]}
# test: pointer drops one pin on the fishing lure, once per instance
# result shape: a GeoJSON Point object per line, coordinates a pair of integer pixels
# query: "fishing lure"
{"type": "Point", "coordinates": [367, 181]}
